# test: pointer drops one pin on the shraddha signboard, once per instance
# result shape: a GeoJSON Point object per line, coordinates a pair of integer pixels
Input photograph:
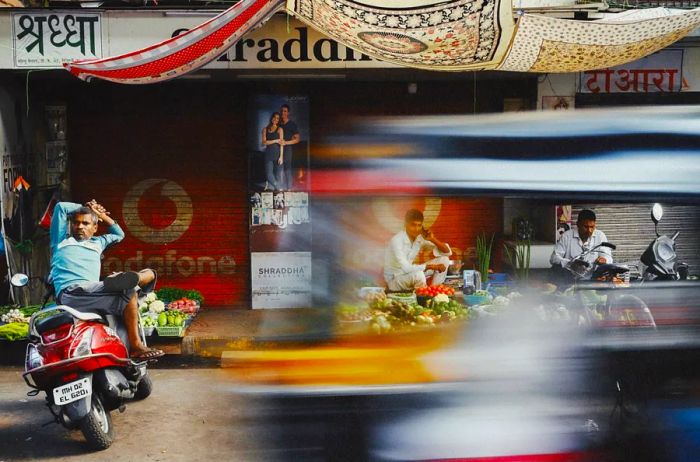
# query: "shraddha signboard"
{"type": "Point", "coordinates": [42, 39]}
{"type": "Point", "coordinates": [281, 279]}
{"type": "Point", "coordinates": [49, 40]}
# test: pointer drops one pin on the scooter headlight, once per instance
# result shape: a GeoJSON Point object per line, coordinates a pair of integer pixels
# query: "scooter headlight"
{"type": "Point", "coordinates": [665, 251]}
{"type": "Point", "coordinates": [84, 346]}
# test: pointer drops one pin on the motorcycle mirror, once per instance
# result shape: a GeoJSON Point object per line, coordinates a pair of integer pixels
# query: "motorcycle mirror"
{"type": "Point", "coordinates": [656, 213]}
{"type": "Point", "coordinates": [608, 245]}
{"type": "Point", "coordinates": [19, 280]}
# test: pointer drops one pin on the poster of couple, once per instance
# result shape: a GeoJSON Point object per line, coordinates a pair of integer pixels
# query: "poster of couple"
{"type": "Point", "coordinates": [280, 223]}
{"type": "Point", "coordinates": [278, 143]}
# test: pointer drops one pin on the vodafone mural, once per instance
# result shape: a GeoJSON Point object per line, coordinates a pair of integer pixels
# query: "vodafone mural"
{"type": "Point", "coordinates": [160, 220]}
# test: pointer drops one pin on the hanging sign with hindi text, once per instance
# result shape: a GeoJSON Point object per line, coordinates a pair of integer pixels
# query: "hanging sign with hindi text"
{"type": "Point", "coordinates": [659, 72]}
{"type": "Point", "coordinates": [51, 39]}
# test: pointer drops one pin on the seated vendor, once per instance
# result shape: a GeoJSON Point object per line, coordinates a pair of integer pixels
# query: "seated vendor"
{"type": "Point", "coordinates": [400, 270]}
{"type": "Point", "coordinates": [576, 241]}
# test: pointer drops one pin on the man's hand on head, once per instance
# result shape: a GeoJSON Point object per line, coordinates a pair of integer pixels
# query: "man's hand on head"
{"type": "Point", "coordinates": [100, 211]}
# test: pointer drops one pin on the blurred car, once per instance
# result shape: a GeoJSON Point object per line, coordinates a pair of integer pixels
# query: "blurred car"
{"type": "Point", "coordinates": [513, 387]}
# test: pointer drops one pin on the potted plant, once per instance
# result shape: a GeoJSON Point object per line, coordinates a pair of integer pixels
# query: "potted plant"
{"type": "Point", "coordinates": [483, 255]}
{"type": "Point", "coordinates": [519, 258]}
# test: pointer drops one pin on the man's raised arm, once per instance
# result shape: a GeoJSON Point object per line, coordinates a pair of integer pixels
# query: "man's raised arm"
{"type": "Point", "coordinates": [60, 228]}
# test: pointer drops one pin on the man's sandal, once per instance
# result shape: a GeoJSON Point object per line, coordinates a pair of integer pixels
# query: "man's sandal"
{"type": "Point", "coordinates": [121, 281]}
{"type": "Point", "coordinates": [148, 354]}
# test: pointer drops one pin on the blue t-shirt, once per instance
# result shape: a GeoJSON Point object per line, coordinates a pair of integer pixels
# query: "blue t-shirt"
{"type": "Point", "coordinates": [74, 261]}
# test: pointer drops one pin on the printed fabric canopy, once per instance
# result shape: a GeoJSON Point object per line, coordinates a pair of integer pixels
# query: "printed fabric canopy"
{"type": "Point", "coordinates": [454, 35]}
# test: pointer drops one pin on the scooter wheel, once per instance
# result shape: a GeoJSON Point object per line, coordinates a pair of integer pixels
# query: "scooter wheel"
{"type": "Point", "coordinates": [97, 426]}
{"type": "Point", "coordinates": [144, 388]}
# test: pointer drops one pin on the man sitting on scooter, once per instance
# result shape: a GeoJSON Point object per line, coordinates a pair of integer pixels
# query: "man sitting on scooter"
{"type": "Point", "coordinates": [574, 242]}
{"type": "Point", "coordinates": [76, 255]}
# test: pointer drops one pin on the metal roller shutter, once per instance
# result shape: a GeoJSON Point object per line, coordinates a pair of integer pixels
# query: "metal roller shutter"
{"type": "Point", "coordinates": [629, 226]}
{"type": "Point", "coordinates": [172, 172]}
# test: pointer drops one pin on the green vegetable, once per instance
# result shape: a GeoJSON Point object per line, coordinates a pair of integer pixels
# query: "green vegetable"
{"type": "Point", "coordinates": [14, 331]}
{"type": "Point", "coordinates": [195, 295]}
{"type": "Point", "coordinates": [25, 310]}
{"type": "Point", "coordinates": [483, 254]}
{"type": "Point", "coordinates": [170, 294]}
{"type": "Point", "coordinates": [519, 258]}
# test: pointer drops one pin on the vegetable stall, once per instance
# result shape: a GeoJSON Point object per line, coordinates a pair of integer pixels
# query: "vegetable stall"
{"type": "Point", "coordinates": [167, 312]}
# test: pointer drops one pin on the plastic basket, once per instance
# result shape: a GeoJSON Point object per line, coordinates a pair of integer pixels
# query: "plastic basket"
{"type": "Point", "coordinates": [476, 299]}
{"type": "Point", "coordinates": [403, 298]}
{"type": "Point", "coordinates": [171, 331]}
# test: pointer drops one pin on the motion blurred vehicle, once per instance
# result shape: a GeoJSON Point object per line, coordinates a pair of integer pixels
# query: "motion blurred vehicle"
{"type": "Point", "coordinates": [525, 385]}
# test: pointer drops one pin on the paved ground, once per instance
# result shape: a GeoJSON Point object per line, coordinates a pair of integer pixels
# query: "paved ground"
{"type": "Point", "coordinates": [192, 415]}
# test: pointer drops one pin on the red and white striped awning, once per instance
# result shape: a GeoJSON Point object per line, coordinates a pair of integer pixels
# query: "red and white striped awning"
{"type": "Point", "coordinates": [182, 54]}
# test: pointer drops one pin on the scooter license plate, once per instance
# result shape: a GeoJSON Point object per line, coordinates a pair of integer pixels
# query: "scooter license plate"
{"type": "Point", "coordinates": [72, 391]}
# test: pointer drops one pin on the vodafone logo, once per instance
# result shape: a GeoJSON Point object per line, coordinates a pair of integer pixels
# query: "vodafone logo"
{"type": "Point", "coordinates": [161, 188]}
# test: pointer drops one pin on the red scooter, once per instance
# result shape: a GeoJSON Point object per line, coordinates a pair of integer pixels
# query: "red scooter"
{"type": "Point", "coordinates": [81, 361]}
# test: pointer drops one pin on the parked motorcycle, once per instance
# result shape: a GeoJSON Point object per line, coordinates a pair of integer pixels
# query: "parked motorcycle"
{"type": "Point", "coordinates": [660, 256]}
{"type": "Point", "coordinates": [617, 309]}
{"type": "Point", "coordinates": [81, 361]}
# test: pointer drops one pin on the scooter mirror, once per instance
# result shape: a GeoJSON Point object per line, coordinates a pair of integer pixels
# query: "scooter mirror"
{"type": "Point", "coordinates": [19, 280]}
{"type": "Point", "coordinates": [657, 212]}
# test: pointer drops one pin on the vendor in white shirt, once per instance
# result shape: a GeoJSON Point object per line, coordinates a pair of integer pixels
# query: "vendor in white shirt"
{"type": "Point", "coordinates": [583, 237]}
{"type": "Point", "coordinates": [400, 271]}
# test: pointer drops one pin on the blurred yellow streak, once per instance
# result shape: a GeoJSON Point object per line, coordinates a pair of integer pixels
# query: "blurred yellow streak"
{"type": "Point", "coordinates": [356, 360]}
{"type": "Point", "coordinates": [361, 150]}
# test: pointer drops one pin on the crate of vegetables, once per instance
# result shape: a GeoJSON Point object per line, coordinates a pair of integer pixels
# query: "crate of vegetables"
{"type": "Point", "coordinates": [184, 304]}
{"type": "Point", "coordinates": [423, 294]}
{"type": "Point", "coordinates": [172, 323]}
{"type": "Point", "coordinates": [171, 331]}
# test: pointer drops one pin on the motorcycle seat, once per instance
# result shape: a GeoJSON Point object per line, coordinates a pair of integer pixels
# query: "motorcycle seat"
{"type": "Point", "coordinates": [52, 322]}
{"type": "Point", "coordinates": [609, 269]}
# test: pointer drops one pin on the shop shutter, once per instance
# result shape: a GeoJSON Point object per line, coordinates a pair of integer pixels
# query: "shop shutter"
{"type": "Point", "coordinates": [629, 226]}
{"type": "Point", "coordinates": [172, 169]}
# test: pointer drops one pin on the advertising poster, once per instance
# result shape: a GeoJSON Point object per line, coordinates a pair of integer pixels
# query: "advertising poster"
{"type": "Point", "coordinates": [563, 220]}
{"type": "Point", "coordinates": [281, 279]}
{"type": "Point", "coordinates": [280, 223]}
